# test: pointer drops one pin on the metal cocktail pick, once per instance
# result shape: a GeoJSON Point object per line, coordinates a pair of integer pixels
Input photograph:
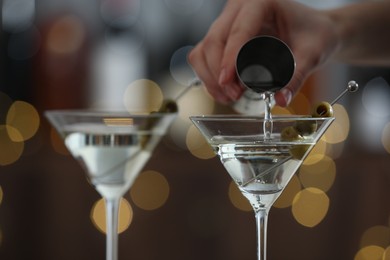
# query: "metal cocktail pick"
{"type": "Point", "coordinates": [351, 87]}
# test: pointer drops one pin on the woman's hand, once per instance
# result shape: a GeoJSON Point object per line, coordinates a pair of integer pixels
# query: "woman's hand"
{"type": "Point", "coordinates": [310, 34]}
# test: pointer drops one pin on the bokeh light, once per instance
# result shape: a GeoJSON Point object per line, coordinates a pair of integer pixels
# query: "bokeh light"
{"type": "Point", "coordinates": [98, 215]}
{"type": "Point", "coordinates": [277, 110]}
{"type": "Point", "coordinates": [180, 69]}
{"type": "Point", "coordinates": [370, 253]}
{"type": "Point", "coordinates": [386, 254]}
{"type": "Point", "coordinates": [339, 129]}
{"type": "Point", "coordinates": [317, 153]}
{"type": "Point", "coordinates": [66, 35]}
{"type": "Point", "coordinates": [237, 199]}
{"type": "Point", "coordinates": [376, 235]}
{"type": "Point", "coordinates": [150, 190]}
{"type": "Point", "coordinates": [310, 206]}
{"type": "Point", "coordinates": [320, 175]}
{"type": "Point", "coordinates": [376, 96]}
{"type": "Point", "coordinates": [300, 105]}
{"type": "Point", "coordinates": [195, 102]}
{"type": "Point", "coordinates": [197, 144]}
{"type": "Point", "coordinates": [10, 150]}
{"type": "Point", "coordinates": [17, 15]}
{"type": "Point", "coordinates": [143, 96]}
{"type": "Point", "coordinates": [286, 198]}
{"type": "Point", "coordinates": [23, 117]}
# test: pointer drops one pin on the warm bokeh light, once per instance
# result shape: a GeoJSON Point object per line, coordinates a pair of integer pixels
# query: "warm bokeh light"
{"type": "Point", "coordinates": [286, 198]}
{"type": "Point", "coordinates": [237, 199]}
{"type": "Point", "coordinates": [57, 142]}
{"type": "Point", "coordinates": [320, 175]}
{"type": "Point", "coordinates": [310, 206]}
{"type": "Point", "coordinates": [98, 215]}
{"type": "Point", "coordinates": [196, 102]}
{"type": "Point", "coordinates": [317, 153]}
{"type": "Point", "coordinates": [150, 190]}
{"type": "Point", "coordinates": [339, 129]}
{"type": "Point", "coordinates": [370, 253]}
{"type": "Point", "coordinates": [386, 137]}
{"type": "Point", "coordinates": [277, 110]}
{"type": "Point", "coordinates": [197, 144]}
{"type": "Point", "coordinates": [376, 235]}
{"type": "Point", "coordinates": [300, 105]}
{"type": "Point", "coordinates": [23, 117]}
{"type": "Point", "coordinates": [143, 96]}
{"type": "Point", "coordinates": [386, 254]}
{"type": "Point", "coordinates": [335, 151]}
{"type": "Point", "coordinates": [66, 35]}
{"type": "Point", "coordinates": [10, 150]}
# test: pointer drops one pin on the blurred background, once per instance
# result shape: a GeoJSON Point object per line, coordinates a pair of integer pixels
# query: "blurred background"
{"type": "Point", "coordinates": [69, 54]}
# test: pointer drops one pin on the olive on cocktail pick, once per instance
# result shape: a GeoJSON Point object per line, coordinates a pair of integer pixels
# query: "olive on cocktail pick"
{"type": "Point", "coordinates": [306, 127]}
{"type": "Point", "coordinates": [168, 106]}
{"type": "Point", "coordinates": [323, 109]}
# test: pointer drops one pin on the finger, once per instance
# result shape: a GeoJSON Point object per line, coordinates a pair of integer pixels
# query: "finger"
{"type": "Point", "coordinates": [196, 58]}
{"type": "Point", "coordinates": [214, 42]}
{"type": "Point", "coordinates": [246, 25]}
{"type": "Point", "coordinates": [304, 67]}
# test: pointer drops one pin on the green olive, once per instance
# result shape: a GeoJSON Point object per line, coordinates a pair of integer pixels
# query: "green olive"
{"type": "Point", "coordinates": [290, 134]}
{"type": "Point", "coordinates": [168, 106]}
{"type": "Point", "coordinates": [323, 109]}
{"type": "Point", "coordinates": [305, 127]}
{"type": "Point", "coordinates": [299, 151]}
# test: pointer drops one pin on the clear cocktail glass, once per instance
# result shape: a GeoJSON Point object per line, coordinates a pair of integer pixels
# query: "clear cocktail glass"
{"type": "Point", "coordinates": [112, 147]}
{"type": "Point", "coordinates": [261, 155]}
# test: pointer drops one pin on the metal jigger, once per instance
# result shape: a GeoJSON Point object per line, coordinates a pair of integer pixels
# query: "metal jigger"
{"type": "Point", "coordinates": [264, 64]}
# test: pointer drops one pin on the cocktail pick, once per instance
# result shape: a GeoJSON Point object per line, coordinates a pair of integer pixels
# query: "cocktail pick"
{"type": "Point", "coordinates": [195, 82]}
{"type": "Point", "coordinates": [351, 87]}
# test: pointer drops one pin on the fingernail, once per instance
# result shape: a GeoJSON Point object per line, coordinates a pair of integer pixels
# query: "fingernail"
{"type": "Point", "coordinates": [222, 77]}
{"type": "Point", "coordinates": [287, 94]}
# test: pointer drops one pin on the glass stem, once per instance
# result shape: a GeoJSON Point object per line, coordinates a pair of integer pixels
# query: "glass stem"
{"type": "Point", "coordinates": [112, 210]}
{"type": "Point", "coordinates": [261, 225]}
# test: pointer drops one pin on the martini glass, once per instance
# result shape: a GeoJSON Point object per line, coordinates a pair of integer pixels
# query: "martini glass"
{"type": "Point", "coordinates": [258, 157]}
{"type": "Point", "coordinates": [112, 147]}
